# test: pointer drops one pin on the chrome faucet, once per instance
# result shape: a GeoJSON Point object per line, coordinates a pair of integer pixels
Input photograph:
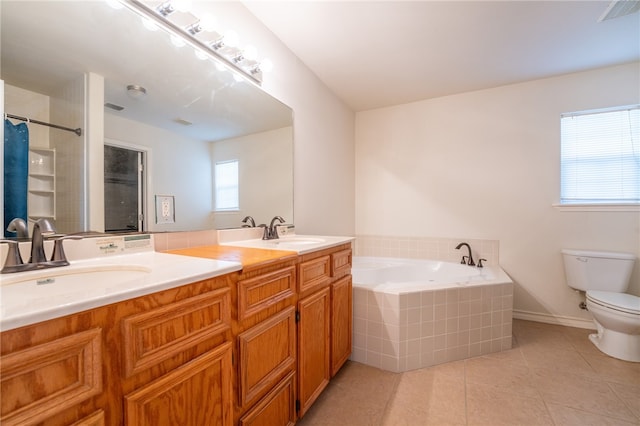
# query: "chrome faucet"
{"type": "Point", "coordinates": [271, 232]}
{"type": "Point", "coordinates": [41, 228]}
{"type": "Point", "coordinates": [251, 223]}
{"type": "Point", "coordinates": [470, 261]}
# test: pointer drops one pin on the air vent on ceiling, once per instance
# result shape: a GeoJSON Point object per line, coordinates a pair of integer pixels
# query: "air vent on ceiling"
{"type": "Point", "coordinates": [114, 106]}
{"type": "Point", "coordinates": [618, 8]}
{"type": "Point", "coordinates": [183, 122]}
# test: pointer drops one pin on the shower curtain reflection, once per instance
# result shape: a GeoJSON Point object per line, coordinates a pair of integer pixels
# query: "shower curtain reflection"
{"type": "Point", "coordinates": [16, 172]}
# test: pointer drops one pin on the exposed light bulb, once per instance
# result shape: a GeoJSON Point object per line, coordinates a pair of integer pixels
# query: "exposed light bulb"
{"type": "Point", "coordinates": [177, 41]}
{"type": "Point", "coordinates": [149, 24]}
{"type": "Point", "coordinates": [181, 5]}
{"type": "Point", "coordinates": [231, 38]}
{"type": "Point", "coordinates": [250, 52]}
{"type": "Point", "coordinates": [266, 65]}
{"type": "Point", "coordinates": [208, 22]}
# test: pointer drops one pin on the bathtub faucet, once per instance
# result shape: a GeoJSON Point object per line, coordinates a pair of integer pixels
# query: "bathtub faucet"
{"type": "Point", "coordinates": [470, 262]}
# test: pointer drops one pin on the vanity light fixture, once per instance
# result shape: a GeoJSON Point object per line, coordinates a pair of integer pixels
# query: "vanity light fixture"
{"type": "Point", "coordinates": [222, 48]}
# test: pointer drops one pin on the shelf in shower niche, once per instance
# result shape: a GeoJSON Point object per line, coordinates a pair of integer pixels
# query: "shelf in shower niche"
{"type": "Point", "coordinates": [41, 199]}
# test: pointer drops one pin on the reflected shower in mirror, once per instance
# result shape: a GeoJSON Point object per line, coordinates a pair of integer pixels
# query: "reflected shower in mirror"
{"type": "Point", "coordinates": [69, 63]}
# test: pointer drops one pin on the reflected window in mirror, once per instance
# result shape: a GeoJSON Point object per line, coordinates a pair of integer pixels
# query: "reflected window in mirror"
{"type": "Point", "coordinates": [227, 186]}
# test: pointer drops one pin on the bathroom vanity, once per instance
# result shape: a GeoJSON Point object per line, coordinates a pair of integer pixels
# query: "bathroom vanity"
{"type": "Point", "coordinates": [254, 346]}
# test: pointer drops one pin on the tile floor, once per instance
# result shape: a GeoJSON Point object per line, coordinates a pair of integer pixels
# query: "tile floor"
{"type": "Point", "coordinates": [553, 375]}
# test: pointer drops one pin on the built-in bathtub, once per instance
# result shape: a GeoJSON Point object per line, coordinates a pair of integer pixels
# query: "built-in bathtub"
{"type": "Point", "coordinates": [413, 313]}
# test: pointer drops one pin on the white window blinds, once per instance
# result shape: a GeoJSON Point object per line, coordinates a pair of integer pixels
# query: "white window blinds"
{"type": "Point", "coordinates": [600, 157]}
{"type": "Point", "coordinates": [226, 185]}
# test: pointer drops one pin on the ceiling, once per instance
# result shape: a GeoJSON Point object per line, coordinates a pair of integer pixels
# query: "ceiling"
{"type": "Point", "coordinates": [373, 54]}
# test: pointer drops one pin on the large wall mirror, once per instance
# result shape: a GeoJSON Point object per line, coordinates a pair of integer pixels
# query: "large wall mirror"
{"type": "Point", "coordinates": [70, 63]}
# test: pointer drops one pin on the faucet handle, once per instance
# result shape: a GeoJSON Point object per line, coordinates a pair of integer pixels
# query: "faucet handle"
{"type": "Point", "coordinates": [13, 254]}
{"type": "Point", "coordinates": [480, 265]}
{"type": "Point", "coordinates": [464, 260]}
{"type": "Point", "coordinates": [58, 256]}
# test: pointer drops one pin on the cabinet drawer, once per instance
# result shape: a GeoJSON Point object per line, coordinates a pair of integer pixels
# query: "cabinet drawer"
{"type": "Point", "coordinates": [154, 336]}
{"type": "Point", "coordinates": [257, 294]}
{"type": "Point", "coordinates": [195, 394]}
{"type": "Point", "coordinates": [341, 263]}
{"type": "Point", "coordinates": [314, 274]}
{"type": "Point", "coordinates": [67, 371]}
{"type": "Point", "coordinates": [266, 353]}
{"type": "Point", "coordinates": [277, 408]}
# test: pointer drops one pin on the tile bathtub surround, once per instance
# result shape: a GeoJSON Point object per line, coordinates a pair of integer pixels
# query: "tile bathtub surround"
{"type": "Point", "coordinates": [409, 331]}
{"type": "Point", "coordinates": [443, 249]}
{"type": "Point", "coordinates": [553, 375]}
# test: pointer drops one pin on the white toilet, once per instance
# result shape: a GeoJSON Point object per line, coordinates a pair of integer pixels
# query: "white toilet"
{"type": "Point", "coordinates": [604, 276]}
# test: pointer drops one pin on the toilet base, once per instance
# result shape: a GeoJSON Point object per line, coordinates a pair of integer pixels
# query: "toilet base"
{"type": "Point", "coordinates": [618, 345]}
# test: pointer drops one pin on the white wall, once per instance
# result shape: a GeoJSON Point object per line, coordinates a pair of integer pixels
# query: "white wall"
{"type": "Point", "coordinates": [485, 165]}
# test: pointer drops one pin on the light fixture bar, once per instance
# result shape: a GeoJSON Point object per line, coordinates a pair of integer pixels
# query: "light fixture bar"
{"type": "Point", "coordinates": [158, 18]}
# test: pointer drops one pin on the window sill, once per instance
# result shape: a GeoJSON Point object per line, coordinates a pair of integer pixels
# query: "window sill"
{"type": "Point", "coordinates": [597, 207]}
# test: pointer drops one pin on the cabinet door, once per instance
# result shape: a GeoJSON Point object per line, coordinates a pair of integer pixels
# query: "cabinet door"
{"type": "Point", "coordinates": [341, 323]}
{"type": "Point", "coordinates": [313, 347]}
{"type": "Point", "coordinates": [266, 353]}
{"type": "Point", "coordinates": [195, 394]}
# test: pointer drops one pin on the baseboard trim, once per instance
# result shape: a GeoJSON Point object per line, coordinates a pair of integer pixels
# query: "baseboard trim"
{"type": "Point", "coordinates": [554, 319]}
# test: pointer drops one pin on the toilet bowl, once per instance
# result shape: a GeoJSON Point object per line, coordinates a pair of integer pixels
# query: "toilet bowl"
{"type": "Point", "coordinates": [617, 319]}
{"type": "Point", "coordinates": [604, 277]}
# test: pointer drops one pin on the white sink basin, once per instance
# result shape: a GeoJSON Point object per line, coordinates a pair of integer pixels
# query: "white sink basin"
{"type": "Point", "coordinates": [297, 241]}
{"type": "Point", "coordinates": [77, 274]}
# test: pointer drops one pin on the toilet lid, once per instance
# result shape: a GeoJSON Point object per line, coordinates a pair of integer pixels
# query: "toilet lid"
{"type": "Point", "coordinates": [622, 302]}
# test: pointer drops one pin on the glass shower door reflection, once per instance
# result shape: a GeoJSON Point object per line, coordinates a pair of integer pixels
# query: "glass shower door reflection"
{"type": "Point", "coordinates": [122, 189]}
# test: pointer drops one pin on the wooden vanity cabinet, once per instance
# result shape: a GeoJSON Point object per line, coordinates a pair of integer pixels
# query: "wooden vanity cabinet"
{"type": "Point", "coordinates": [324, 327]}
{"type": "Point", "coordinates": [266, 344]}
{"type": "Point", "coordinates": [128, 363]}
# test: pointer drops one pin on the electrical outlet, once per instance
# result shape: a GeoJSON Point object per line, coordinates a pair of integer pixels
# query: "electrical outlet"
{"type": "Point", "coordinates": [165, 209]}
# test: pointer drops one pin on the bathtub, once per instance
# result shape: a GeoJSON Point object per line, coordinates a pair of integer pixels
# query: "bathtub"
{"type": "Point", "coordinates": [413, 313]}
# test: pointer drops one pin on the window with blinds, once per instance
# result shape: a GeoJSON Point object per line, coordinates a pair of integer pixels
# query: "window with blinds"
{"type": "Point", "coordinates": [600, 157]}
{"type": "Point", "coordinates": [226, 186]}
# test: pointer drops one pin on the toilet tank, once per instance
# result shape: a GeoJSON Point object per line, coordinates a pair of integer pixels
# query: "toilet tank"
{"type": "Point", "coordinates": [598, 270]}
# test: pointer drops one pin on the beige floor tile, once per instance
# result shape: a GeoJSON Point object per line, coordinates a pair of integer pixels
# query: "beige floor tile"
{"type": "Point", "coordinates": [630, 394]}
{"type": "Point", "coordinates": [566, 416]}
{"type": "Point", "coordinates": [614, 370]}
{"type": "Point", "coordinates": [580, 393]}
{"type": "Point", "coordinates": [567, 361]}
{"type": "Point", "coordinates": [430, 396]}
{"type": "Point", "coordinates": [357, 396]}
{"type": "Point", "coordinates": [486, 405]}
{"type": "Point", "coordinates": [505, 375]}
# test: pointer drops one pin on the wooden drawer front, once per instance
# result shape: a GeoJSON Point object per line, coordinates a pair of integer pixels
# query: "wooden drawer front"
{"type": "Point", "coordinates": [154, 336]}
{"type": "Point", "coordinates": [196, 394]}
{"type": "Point", "coordinates": [315, 273]}
{"type": "Point", "coordinates": [256, 294]}
{"type": "Point", "coordinates": [341, 263]}
{"type": "Point", "coordinates": [267, 352]}
{"type": "Point", "coordinates": [43, 380]}
{"type": "Point", "coordinates": [277, 408]}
